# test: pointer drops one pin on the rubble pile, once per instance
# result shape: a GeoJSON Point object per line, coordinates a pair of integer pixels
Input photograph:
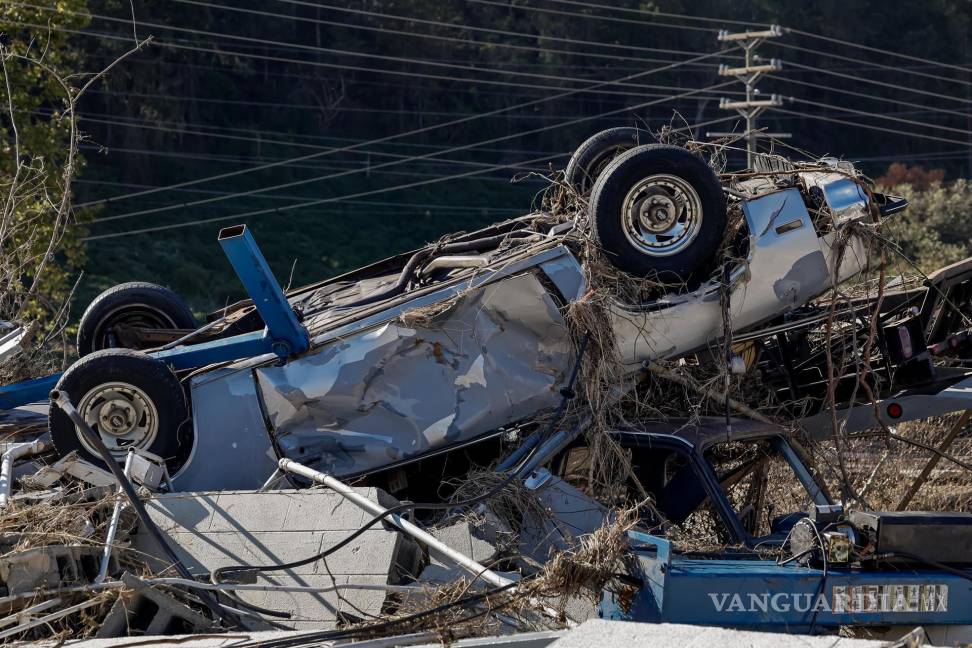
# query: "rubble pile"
{"type": "Point", "coordinates": [522, 428]}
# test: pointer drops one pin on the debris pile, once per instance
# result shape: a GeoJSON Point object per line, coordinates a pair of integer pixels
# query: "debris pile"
{"type": "Point", "coordinates": [668, 386]}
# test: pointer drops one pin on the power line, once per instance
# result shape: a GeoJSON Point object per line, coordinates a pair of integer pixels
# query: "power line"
{"type": "Point", "coordinates": [328, 50]}
{"type": "Point", "coordinates": [334, 166]}
{"type": "Point", "coordinates": [877, 50]}
{"type": "Point", "coordinates": [663, 14]}
{"type": "Point", "coordinates": [373, 203]}
{"type": "Point", "coordinates": [800, 32]}
{"type": "Point", "coordinates": [416, 131]}
{"type": "Point", "coordinates": [877, 115]}
{"type": "Point", "coordinates": [894, 100]}
{"type": "Point", "coordinates": [488, 30]}
{"type": "Point", "coordinates": [322, 201]}
{"type": "Point", "coordinates": [629, 21]}
{"type": "Point", "coordinates": [452, 39]}
{"type": "Point", "coordinates": [871, 127]}
{"type": "Point", "coordinates": [453, 149]}
{"type": "Point", "coordinates": [179, 128]}
{"type": "Point", "coordinates": [312, 107]}
{"type": "Point", "coordinates": [872, 64]}
{"type": "Point", "coordinates": [884, 84]}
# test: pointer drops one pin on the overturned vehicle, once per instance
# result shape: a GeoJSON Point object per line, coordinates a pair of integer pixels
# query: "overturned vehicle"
{"type": "Point", "coordinates": [468, 354]}
{"type": "Point", "coordinates": [455, 342]}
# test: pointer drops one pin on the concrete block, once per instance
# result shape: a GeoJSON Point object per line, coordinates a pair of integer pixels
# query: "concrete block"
{"type": "Point", "coordinates": [150, 612]}
{"type": "Point", "coordinates": [182, 511]}
{"type": "Point", "coordinates": [212, 530]}
{"type": "Point", "coordinates": [463, 536]}
{"type": "Point", "coordinates": [568, 514]}
{"type": "Point", "coordinates": [237, 511]}
{"type": "Point", "coordinates": [51, 567]}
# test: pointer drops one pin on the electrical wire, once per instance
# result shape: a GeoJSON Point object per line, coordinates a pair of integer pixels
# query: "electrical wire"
{"type": "Point", "coordinates": [868, 126]}
{"type": "Point", "coordinates": [791, 30]}
{"type": "Point", "coordinates": [567, 393]}
{"type": "Point", "coordinates": [453, 149]}
{"type": "Point", "coordinates": [663, 14]}
{"type": "Point", "coordinates": [425, 129]}
{"type": "Point", "coordinates": [883, 84]}
{"type": "Point", "coordinates": [878, 115]}
{"type": "Point", "coordinates": [323, 201]}
{"type": "Point", "coordinates": [438, 37]}
{"type": "Point", "coordinates": [498, 32]}
{"type": "Point", "coordinates": [330, 50]}
{"type": "Point", "coordinates": [877, 50]}
{"type": "Point", "coordinates": [873, 65]}
{"type": "Point", "coordinates": [863, 95]}
{"type": "Point", "coordinates": [627, 21]}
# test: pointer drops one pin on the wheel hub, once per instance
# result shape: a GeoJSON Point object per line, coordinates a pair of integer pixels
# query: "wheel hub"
{"type": "Point", "coordinates": [658, 213]}
{"type": "Point", "coordinates": [123, 416]}
{"type": "Point", "coordinates": [661, 215]}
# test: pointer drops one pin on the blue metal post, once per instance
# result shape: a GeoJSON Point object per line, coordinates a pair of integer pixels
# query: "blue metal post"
{"type": "Point", "coordinates": [287, 335]}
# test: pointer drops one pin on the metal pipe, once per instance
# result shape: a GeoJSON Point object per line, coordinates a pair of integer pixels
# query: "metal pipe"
{"type": "Point", "coordinates": [550, 447]}
{"type": "Point", "coordinates": [514, 457]}
{"type": "Point", "coordinates": [23, 615]}
{"type": "Point", "coordinates": [461, 261]}
{"type": "Point", "coordinates": [11, 453]}
{"type": "Point", "coordinates": [460, 559]}
{"type": "Point", "coordinates": [50, 617]}
{"type": "Point", "coordinates": [113, 524]}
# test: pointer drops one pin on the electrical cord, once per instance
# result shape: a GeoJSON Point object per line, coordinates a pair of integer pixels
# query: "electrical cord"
{"type": "Point", "coordinates": [567, 394]}
{"type": "Point", "coordinates": [926, 561]}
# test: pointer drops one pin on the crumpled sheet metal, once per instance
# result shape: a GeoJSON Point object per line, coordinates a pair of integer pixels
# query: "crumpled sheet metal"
{"type": "Point", "coordinates": [788, 266]}
{"type": "Point", "coordinates": [495, 356]}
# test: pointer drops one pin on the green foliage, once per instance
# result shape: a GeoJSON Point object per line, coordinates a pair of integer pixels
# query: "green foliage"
{"type": "Point", "coordinates": [936, 229]}
{"type": "Point", "coordinates": [34, 139]}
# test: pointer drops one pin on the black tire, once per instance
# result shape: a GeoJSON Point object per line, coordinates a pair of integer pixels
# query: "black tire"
{"type": "Point", "coordinates": [683, 264]}
{"type": "Point", "coordinates": [158, 387]}
{"type": "Point", "coordinates": [136, 303]}
{"type": "Point", "coordinates": [596, 153]}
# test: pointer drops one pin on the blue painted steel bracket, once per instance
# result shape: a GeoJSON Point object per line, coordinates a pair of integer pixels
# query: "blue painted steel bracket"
{"type": "Point", "coordinates": [27, 391]}
{"type": "Point", "coordinates": [761, 594]}
{"type": "Point", "coordinates": [287, 335]}
{"type": "Point", "coordinates": [283, 335]}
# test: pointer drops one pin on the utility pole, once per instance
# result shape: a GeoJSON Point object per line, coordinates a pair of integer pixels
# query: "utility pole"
{"type": "Point", "coordinates": [752, 107]}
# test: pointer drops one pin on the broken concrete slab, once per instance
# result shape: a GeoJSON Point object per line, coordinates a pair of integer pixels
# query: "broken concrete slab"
{"type": "Point", "coordinates": [50, 567]}
{"type": "Point", "coordinates": [143, 471]}
{"type": "Point", "coordinates": [71, 464]}
{"type": "Point", "coordinates": [221, 529]}
{"type": "Point", "coordinates": [568, 514]}
{"type": "Point", "coordinates": [150, 612]}
{"type": "Point", "coordinates": [466, 536]}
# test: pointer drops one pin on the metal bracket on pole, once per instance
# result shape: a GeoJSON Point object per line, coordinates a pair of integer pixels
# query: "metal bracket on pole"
{"type": "Point", "coordinates": [751, 108]}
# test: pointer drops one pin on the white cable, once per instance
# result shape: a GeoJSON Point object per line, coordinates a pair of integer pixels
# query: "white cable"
{"type": "Point", "coordinates": [488, 30]}
{"type": "Point", "coordinates": [868, 126]}
{"type": "Point", "coordinates": [451, 39]}
{"type": "Point", "coordinates": [453, 149]}
{"type": "Point", "coordinates": [409, 133]}
{"type": "Point", "coordinates": [322, 201]}
{"type": "Point", "coordinates": [329, 50]}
